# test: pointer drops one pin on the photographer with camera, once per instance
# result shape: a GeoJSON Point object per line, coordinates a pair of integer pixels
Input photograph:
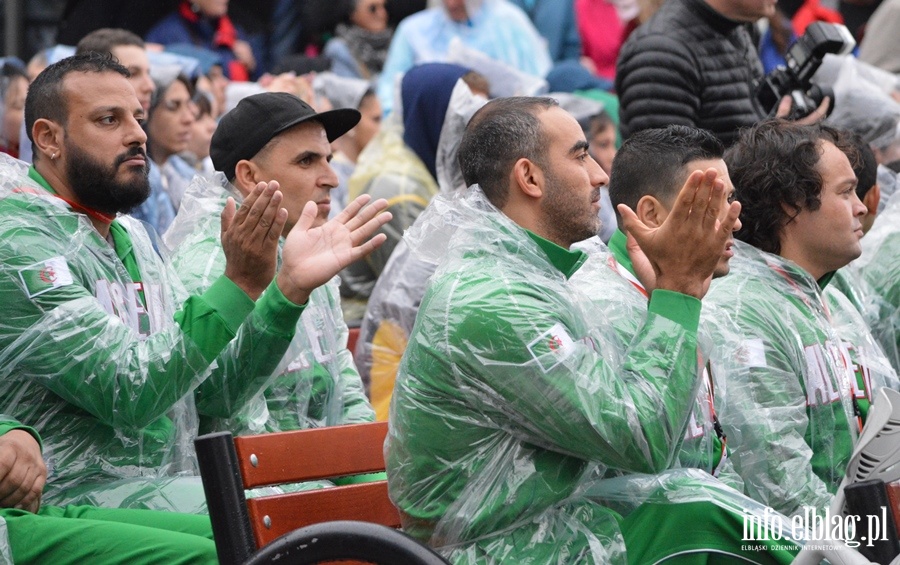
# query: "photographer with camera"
{"type": "Point", "coordinates": [695, 63]}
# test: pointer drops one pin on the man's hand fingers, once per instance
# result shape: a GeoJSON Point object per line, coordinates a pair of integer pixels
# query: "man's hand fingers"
{"type": "Point", "coordinates": [717, 202]}
{"type": "Point", "coordinates": [228, 214]}
{"type": "Point", "coordinates": [265, 225]}
{"type": "Point", "coordinates": [727, 225]}
{"type": "Point", "coordinates": [361, 251]}
{"type": "Point", "coordinates": [360, 234]}
{"type": "Point", "coordinates": [637, 229]}
{"type": "Point", "coordinates": [630, 221]}
{"type": "Point", "coordinates": [26, 498]}
{"type": "Point", "coordinates": [256, 210]}
{"type": "Point", "coordinates": [307, 216]}
{"type": "Point", "coordinates": [366, 214]}
{"type": "Point", "coordinates": [352, 209]}
{"type": "Point", "coordinates": [816, 115]}
{"type": "Point", "coordinates": [34, 505]}
{"type": "Point", "coordinates": [18, 488]}
{"type": "Point", "coordinates": [278, 223]}
{"type": "Point", "coordinates": [688, 197]}
{"type": "Point", "coordinates": [248, 203]}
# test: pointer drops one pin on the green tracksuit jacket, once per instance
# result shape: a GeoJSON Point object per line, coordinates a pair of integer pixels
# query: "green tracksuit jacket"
{"type": "Point", "coordinates": [103, 536]}
{"type": "Point", "coordinates": [608, 279]}
{"type": "Point", "coordinates": [786, 381]}
{"type": "Point", "coordinates": [315, 384]}
{"type": "Point", "coordinates": [95, 357]}
{"type": "Point", "coordinates": [512, 394]}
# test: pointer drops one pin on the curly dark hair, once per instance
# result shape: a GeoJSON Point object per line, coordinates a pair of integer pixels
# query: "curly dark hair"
{"type": "Point", "coordinates": [775, 170]}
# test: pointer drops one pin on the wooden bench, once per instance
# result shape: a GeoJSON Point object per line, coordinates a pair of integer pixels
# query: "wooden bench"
{"type": "Point", "coordinates": [229, 465]}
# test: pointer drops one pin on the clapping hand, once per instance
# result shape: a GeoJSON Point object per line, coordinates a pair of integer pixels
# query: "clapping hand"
{"type": "Point", "coordinates": [313, 255]}
{"type": "Point", "coordinates": [681, 254]}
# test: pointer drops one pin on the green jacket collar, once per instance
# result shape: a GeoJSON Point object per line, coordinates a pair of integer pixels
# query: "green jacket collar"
{"type": "Point", "coordinates": [563, 259]}
{"type": "Point", "coordinates": [36, 177]}
{"type": "Point", "coordinates": [826, 278]}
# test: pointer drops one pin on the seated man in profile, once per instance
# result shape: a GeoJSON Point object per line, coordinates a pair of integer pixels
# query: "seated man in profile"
{"type": "Point", "coordinates": [792, 406]}
{"type": "Point", "coordinates": [277, 138]}
{"type": "Point", "coordinates": [100, 349]}
{"type": "Point", "coordinates": [650, 170]}
{"type": "Point", "coordinates": [513, 398]}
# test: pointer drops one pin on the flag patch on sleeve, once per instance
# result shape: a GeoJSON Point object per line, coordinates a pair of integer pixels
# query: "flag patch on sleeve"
{"type": "Point", "coordinates": [45, 275]}
{"type": "Point", "coordinates": [551, 347]}
{"type": "Point", "coordinates": [752, 353]}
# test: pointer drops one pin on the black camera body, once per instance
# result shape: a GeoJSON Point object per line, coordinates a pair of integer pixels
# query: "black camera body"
{"type": "Point", "coordinates": [803, 59]}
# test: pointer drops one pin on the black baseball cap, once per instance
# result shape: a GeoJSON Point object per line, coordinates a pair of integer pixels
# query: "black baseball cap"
{"type": "Point", "coordinates": [256, 119]}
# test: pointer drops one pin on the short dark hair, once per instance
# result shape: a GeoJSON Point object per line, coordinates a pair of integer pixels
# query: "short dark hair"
{"type": "Point", "coordinates": [865, 167]}
{"type": "Point", "coordinates": [500, 133]}
{"type": "Point", "coordinates": [775, 170]}
{"type": "Point", "coordinates": [105, 39]}
{"type": "Point", "coordinates": [651, 162]}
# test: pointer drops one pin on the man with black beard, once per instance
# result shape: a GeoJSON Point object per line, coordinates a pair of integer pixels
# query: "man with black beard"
{"type": "Point", "coordinates": [94, 183]}
{"type": "Point", "coordinates": [101, 350]}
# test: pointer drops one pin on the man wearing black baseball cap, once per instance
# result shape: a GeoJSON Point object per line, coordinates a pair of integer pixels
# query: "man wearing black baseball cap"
{"type": "Point", "coordinates": [277, 138]}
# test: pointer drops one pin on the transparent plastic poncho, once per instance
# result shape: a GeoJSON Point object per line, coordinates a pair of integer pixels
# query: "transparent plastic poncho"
{"type": "Point", "coordinates": [624, 303]}
{"type": "Point", "coordinates": [783, 381]}
{"type": "Point", "coordinates": [858, 316]}
{"type": "Point", "coordinates": [388, 169]}
{"type": "Point", "coordinates": [887, 182]}
{"type": "Point", "coordinates": [313, 384]}
{"type": "Point", "coordinates": [862, 99]}
{"type": "Point", "coordinates": [514, 394]}
{"type": "Point", "coordinates": [879, 268]}
{"type": "Point", "coordinates": [391, 310]}
{"type": "Point", "coordinates": [105, 377]}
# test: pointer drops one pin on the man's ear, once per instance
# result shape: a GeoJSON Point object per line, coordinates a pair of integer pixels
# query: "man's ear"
{"type": "Point", "coordinates": [651, 211]}
{"type": "Point", "coordinates": [529, 177]}
{"type": "Point", "coordinates": [48, 138]}
{"type": "Point", "coordinates": [245, 174]}
{"type": "Point", "coordinates": [871, 200]}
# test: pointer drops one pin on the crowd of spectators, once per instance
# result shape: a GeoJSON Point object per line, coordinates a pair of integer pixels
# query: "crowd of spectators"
{"type": "Point", "coordinates": [610, 302]}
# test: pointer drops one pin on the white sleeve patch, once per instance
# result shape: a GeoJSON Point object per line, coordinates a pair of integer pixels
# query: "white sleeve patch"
{"type": "Point", "coordinates": [552, 347]}
{"type": "Point", "coordinates": [45, 275]}
{"type": "Point", "coordinates": [752, 353]}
